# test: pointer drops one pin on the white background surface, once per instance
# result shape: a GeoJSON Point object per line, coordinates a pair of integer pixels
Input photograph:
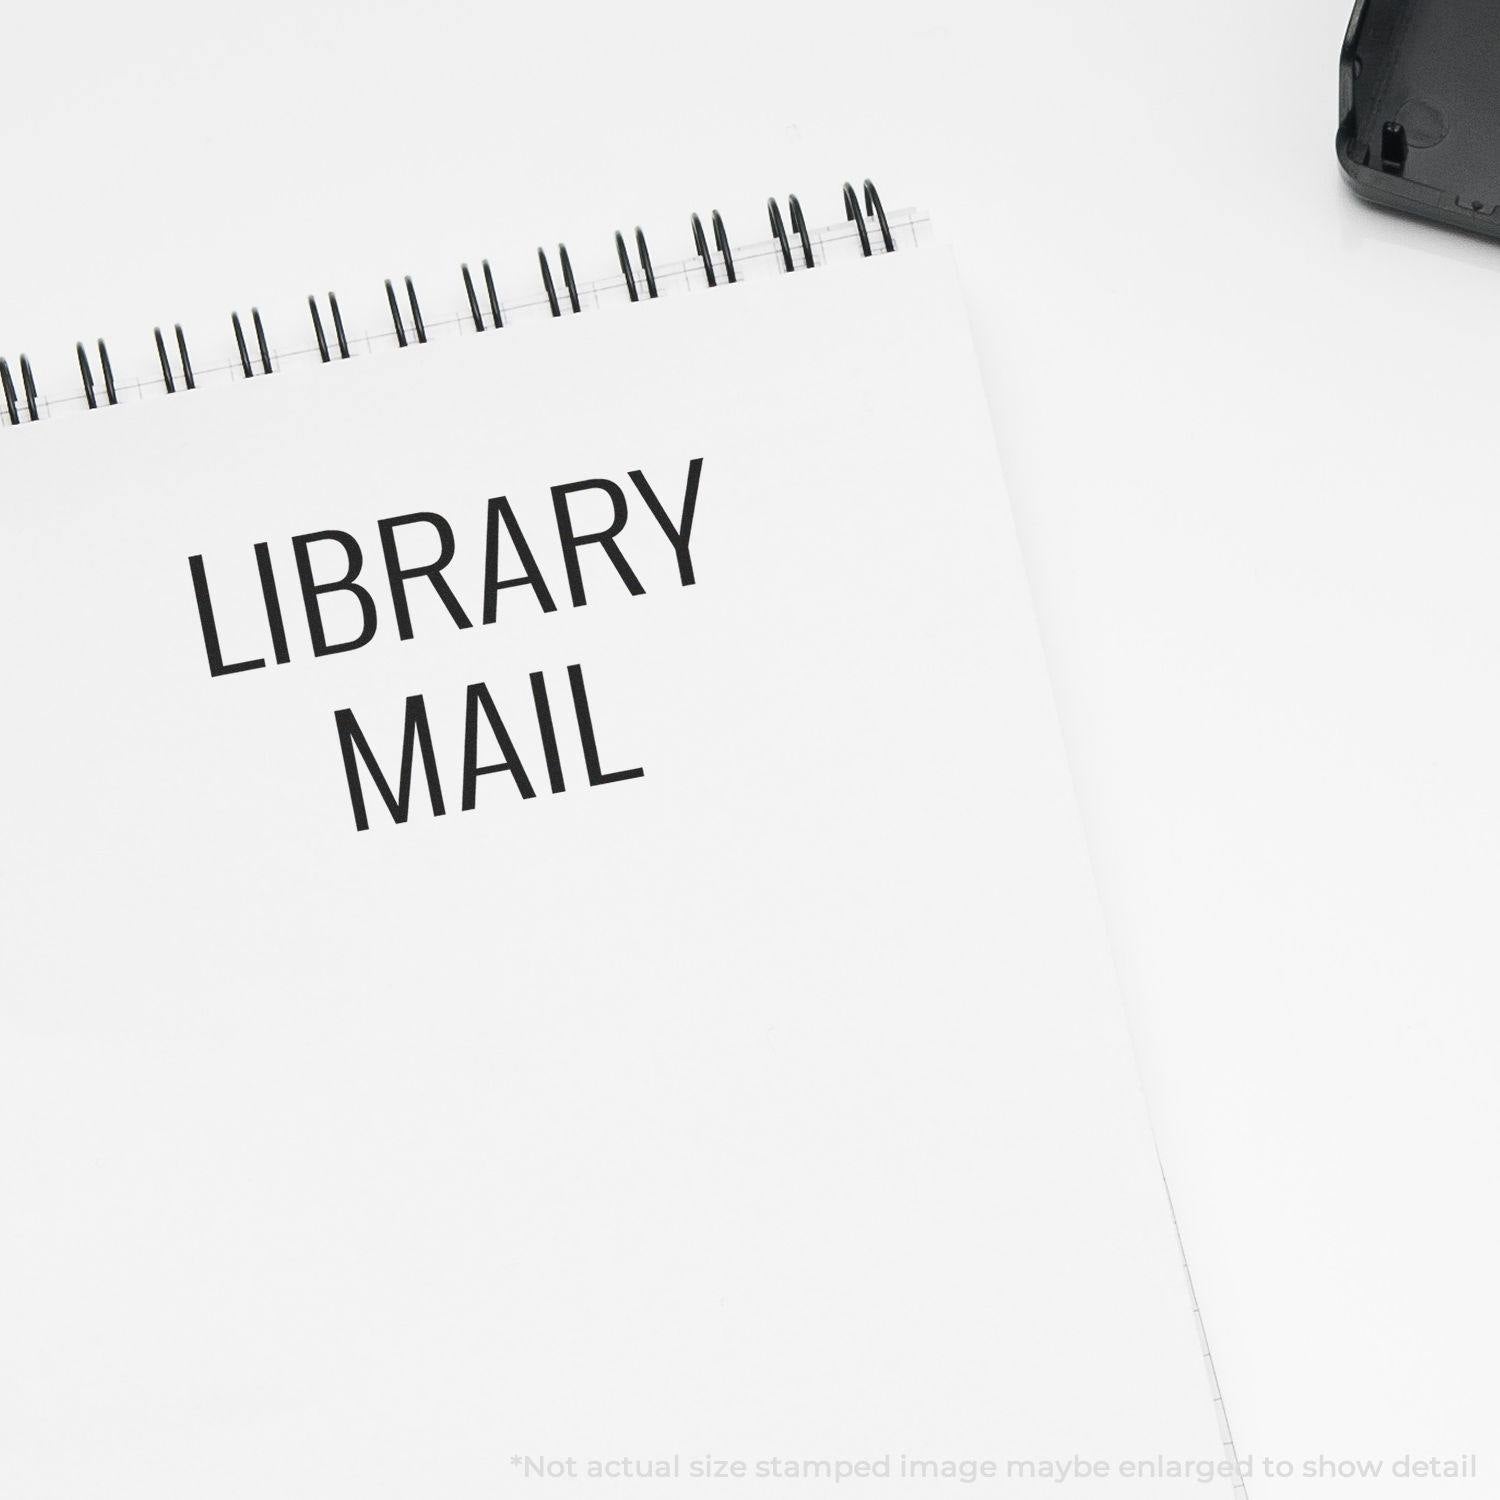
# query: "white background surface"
{"type": "Point", "coordinates": [1244, 419]}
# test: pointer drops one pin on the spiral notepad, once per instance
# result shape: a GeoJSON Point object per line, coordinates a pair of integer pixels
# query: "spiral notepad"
{"type": "Point", "coordinates": [547, 939]}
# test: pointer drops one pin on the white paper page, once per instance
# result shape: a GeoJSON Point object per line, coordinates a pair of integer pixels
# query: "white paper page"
{"type": "Point", "coordinates": [773, 1104]}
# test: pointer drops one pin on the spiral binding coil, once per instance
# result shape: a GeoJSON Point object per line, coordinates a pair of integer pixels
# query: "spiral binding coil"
{"type": "Point", "coordinates": [88, 376]}
{"type": "Point", "coordinates": [489, 287]}
{"type": "Point", "coordinates": [418, 326]}
{"type": "Point", "coordinates": [568, 282]}
{"type": "Point", "coordinates": [260, 340]}
{"type": "Point", "coordinates": [794, 251]}
{"type": "Point", "coordinates": [317, 323]}
{"type": "Point", "coordinates": [166, 364]}
{"type": "Point", "coordinates": [647, 272]}
{"type": "Point", "coordinates": [799, 228]}
{"type": "Point", "coordinates": [28, 386]}
{"type": "Point", "coordinates": [721, 240]}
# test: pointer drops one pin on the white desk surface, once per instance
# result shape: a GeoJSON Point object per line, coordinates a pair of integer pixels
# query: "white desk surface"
{"type": "Point", "coordinates": [1244, 421]}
